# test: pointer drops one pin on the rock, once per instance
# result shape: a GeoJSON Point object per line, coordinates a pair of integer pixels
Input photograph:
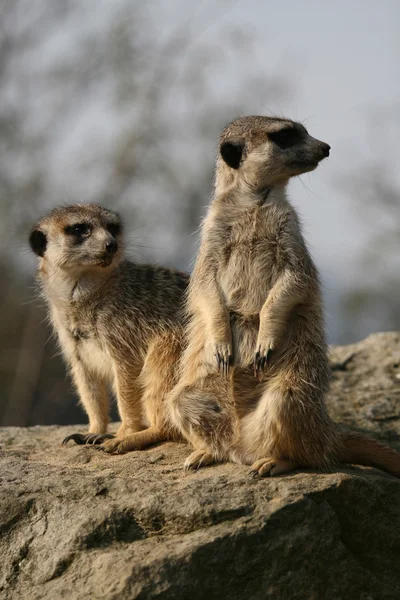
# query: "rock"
{"type": "Point", "coordinates": [76, 523]}
{"type": "Point", "coordinates": [365, 392]}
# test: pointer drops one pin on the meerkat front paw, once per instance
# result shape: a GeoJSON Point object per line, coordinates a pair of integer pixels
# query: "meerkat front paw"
{"type": "Point", "coordinates": [198, 459]}
{"type": "Point", "coordinates": [87, 439]}
{"type": "Point", "coordinates": [262, 357]}
{"type": "Point", "coordinates": [271, 467]}
{"type": "Point", "coordinates": [222, 352]}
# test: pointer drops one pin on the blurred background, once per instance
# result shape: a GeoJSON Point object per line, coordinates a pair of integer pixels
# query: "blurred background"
{"type": "Point", "coordinates": [120, 102]}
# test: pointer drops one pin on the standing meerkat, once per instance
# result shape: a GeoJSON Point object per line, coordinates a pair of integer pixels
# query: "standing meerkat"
{"type": "Point", "coordinates": [254, 303]}
{"type": "Point", "coordinates": [118, 323]}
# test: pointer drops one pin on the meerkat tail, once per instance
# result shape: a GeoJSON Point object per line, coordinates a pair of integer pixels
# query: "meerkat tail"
{"type": "Point", "coordinates": [362, 450]}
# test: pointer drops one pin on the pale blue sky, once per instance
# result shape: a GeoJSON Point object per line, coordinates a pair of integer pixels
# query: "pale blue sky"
{"type": "Point", "coordinates": [339, 61]}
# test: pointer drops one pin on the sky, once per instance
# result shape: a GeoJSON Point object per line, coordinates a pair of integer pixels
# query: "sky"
{"type": "Point", "coordinates": [339, 61]}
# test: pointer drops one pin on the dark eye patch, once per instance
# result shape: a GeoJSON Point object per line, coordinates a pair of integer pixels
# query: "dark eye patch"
{"type": "Point", "coordinates": [114, 228]}
{"type": "Point", "coordinates": [285, 138]}
{"type": "Point", "coordinates": [78, 229]}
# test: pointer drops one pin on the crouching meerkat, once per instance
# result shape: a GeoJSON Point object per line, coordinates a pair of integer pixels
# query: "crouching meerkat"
{"type": "Point", "coordinates": [118, 323]}
{"type": "Point", "coordinates": [255, 373]}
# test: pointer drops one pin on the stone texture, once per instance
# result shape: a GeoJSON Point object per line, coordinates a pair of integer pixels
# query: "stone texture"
{"type": "Point", "coordinates": [75, 523]}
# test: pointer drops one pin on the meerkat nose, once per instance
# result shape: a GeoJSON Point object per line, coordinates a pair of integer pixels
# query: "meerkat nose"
{"type": "Point", "coordinates": [111, 247]}
{"type": "Point", "coordinates": [325, 148]}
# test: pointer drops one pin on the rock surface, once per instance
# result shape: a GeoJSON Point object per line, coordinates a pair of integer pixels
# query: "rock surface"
{"type": "Point", "coordinates": [76, 523]}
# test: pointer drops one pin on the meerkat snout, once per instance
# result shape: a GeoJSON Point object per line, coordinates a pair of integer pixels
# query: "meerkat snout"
{"type": "Point", "coordinates": [111, 246]}
{"type": "Point", "coordinates": [110, 249]}
{"type": "Point", "coordinates": [325, 149]}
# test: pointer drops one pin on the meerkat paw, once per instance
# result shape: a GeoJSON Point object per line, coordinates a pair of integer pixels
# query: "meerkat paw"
{"type": "Point", "coordinates": [262, 358]}
{"type": "Point", "coordinates": [136, 441]}
{"type": "Point", "coordinates": [271, 467]}
{"type": "Point", "coordinates": [119, 445]}
{"type": "Point", "coordinates": [87, 439]}
{"type": "Point", "coordinates": [223, 355]}
{"type": "Point", "coordinates": [198, 459]}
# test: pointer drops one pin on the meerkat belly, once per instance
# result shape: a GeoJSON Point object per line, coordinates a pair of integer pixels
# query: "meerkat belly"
{"type": "Point", "coordinates": [246, 279]}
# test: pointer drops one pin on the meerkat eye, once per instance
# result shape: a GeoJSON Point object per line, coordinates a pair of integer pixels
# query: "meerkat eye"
{"type": "Point", "coordinates": [285, 138]}
{"type": "Point", "coordinates": [79, 229]}
{"type": "Point", "coordinates": [114, 228]}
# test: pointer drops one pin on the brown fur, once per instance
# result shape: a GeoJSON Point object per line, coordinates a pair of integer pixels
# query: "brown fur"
{"type": "Point", "coordinates": [254, 298]}
{"type": "Point", "coordinates": [119, 324]}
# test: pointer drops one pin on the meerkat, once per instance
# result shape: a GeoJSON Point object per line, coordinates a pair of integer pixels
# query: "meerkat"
{"type": "Point", "coordinates": [119, 324]}
{"type": "Point", "coordinates": [255, 372]}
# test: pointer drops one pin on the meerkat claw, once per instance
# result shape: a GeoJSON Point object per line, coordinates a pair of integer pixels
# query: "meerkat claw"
{"type": "Point", "coordinates": [78, 438]}
{"type": "Point", "coordinates": [95, 439]}
{"type": "Point", "coordinates": [222, 364]}
{"type": "Point", "coordinates": [257, 354]}
{"type": "Point", "coordinates": [261, 360]}
{"type": "Point", "coordinates": [259, 364]}
{"type": "Point", "coordinates": [224, 367]}
{"type": "Point", "coordinates": [268, 357]}
{"type": "Point", "coordinates": [89, 439]}
{"type": "Point", "coordinates": [223, 356]}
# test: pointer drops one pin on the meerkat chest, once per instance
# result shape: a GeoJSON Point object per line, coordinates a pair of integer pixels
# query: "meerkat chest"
{"type": "Point", "coordinates": [95, 358]}
{"type": "Point", "coordinates": [247, 271]}
{"type": "Point", "coordinates": [89, 348]}
{"type": "Point", "coordinates": [80, 341]}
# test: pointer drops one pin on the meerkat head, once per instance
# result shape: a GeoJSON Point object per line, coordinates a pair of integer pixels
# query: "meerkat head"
{"type": "Point", "coordinates": [78, 238]}
{"type": "Point", "coordinates": [263, 151]}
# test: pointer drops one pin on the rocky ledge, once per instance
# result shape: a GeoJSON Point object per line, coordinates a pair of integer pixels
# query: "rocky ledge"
{"type": "Point", "coordinates": [76, 523]}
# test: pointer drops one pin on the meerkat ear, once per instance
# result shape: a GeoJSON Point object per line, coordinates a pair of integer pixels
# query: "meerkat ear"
{"type": "Point", "coordinates": [38, 242]}
{"type": "Point", "coordinates": [232, 153]}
